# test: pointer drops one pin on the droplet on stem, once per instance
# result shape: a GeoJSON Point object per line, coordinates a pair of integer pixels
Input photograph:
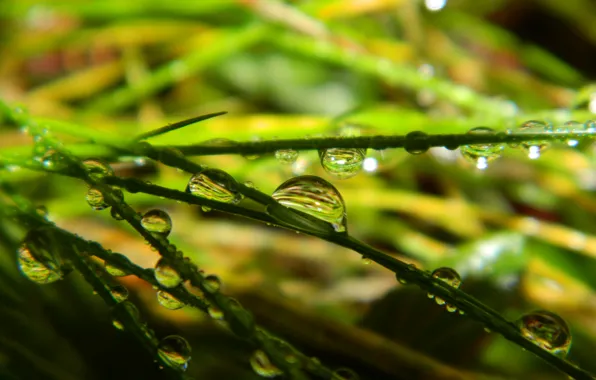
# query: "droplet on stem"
{"type": "Point", "coordinates": [286, 156]}
{"type": "Point", "coordinates": [535, 147]}
{"type": "Point", "coordinates": [547, 330]}
{"type": "Point", "coordinates": [168, 301]}
{"type": "Point", "coordinates": [448, 276]}
{"type": "Point", "coordinates": [313, 196]}
{"type": "Point", "coordinates": [157, 222]}
{"type": "Point", "coordinates": [166, 275]}
{"type": "Point", "coordinates": [342, 163]}
{"type": "Point", "coordinates": [215, 184]}
{"type": "Point", "coordinates": [36, 270]}
{"type": "Point", "coordinates": [481, 154]}
{"type": "Point", "coordinates": [95, 199]}
{"type": "Point", "coordinates": [262, 366]}
{"type": "Point", "coordinates": [97, 168]}
{"type": "Point", "coordinates": [174, 351]}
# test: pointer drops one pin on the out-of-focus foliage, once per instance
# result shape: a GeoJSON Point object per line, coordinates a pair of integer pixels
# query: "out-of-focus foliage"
{"type": "Point", "coordinates": [521, 233]}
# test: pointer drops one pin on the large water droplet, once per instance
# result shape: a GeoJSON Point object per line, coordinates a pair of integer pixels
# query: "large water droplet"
{"type": "Point", "coordinates": [119, 293]}
{"type": "Point", "coordinates": [262, 366]}
{"type": "Point", "coordinates": [157, 222]}
{"type": "Point", "coordinates": [535, 147]}
{"type": "Point", "coordinates": [286, 156]}
{"type": "Point", "coordinates": [212, 284]}
{"type": "Point", "coordinates": [547, 330]}
{"type": "Point", "coordinates": [313, 196]}
{"type": "Point", "coordinates": [216, 185]}
{"type": "Point", "coordinates": [166, 275]}
{"type": "Point", "coordinates": [36, 270]}
{"type": "Point", "coordinates": [481, 154]}
{"type": "Point", "coordinates": [95, 199]}
{"type": "Point", "coordinates": [342, 163]}
{"type": "Point", "coordinates": [416, 143]}
{"type": "Point", "coordinates": [448, 276]}
{"type": "Point", "coordinates": [175, 351]}
{"type": "Point", "coordinates": [168, 301]}
{"type": "Point", "coordinates": [97, 168]}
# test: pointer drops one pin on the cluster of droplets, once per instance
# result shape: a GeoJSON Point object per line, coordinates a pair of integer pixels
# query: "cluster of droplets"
{"type": "Point", "coordinates": [450, 277]}
{"type": "Point", "coordinates": [547, 330]}
{"type": "Point", "coordinates": [313, 196]}
{"type": "Point", "coordinates": [99, 169]}
{"type": "Point", "coordinates": [174, 351]}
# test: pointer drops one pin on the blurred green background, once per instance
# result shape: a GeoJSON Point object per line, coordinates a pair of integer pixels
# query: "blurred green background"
{"type": "Point", "coordinates": [521, 233]}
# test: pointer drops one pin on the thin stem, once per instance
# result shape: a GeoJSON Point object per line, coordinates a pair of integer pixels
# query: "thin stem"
{"type": "Point", "coordinates": [178, 125]}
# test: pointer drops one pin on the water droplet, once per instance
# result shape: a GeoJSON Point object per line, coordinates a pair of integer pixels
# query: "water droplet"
{"type": "Point", "coordinates": [250, 184]}
{"type": "Point", "coordinates": [260, 363]}
{"type": "Point", "coordinates": [212, 284]}
{"type": "Point", "coordinates": [366, 260]}
{"type": "Point", "coordinates": [448, 276]}
{"type": "Point", "coordinates": [52, 159]}
{"type": "Point", "coordinates": [97, 168]}
{"type": "Point", "coordinates": [573, 127]}
{"type": "Point", "coordinates": [450, 308]}
{"type": "Point", "coordinates": [95, 199]}
{"type": "Point", "coordinates": [36, 270]}
{"type": "Point", "coordinates": [42, 211]}
{"type": "Point", "coordinates": [313, 196]}
{"type": "Point", "coordinates": [114, 213]}
{"type": "Point", "coordinates": [174, 351]}
{"type": "Point", "coordinates": [481, 154]}
{"type": "Point", "coordinates": [114, 269]}
{"type": "Point", "coordinates": [119, 293]}
{"type": "Point", "coordinates": [168, 301]}
{"type": "Point", "coordinates": [344, 374]}
{"type": "Point", "coordinates": [205, 208]}
{"type": "Point", "coordinates": [547, 330]}
{"type": "Point", "coordinates": [286, 156]}
{"type": "Point", "coordinates": [416, 143]}
{"type": "Point", "coordinates": [215, 312]}
{"type": "Point", "coordinates": [590, 126]}
{"type": "Point", "coordinates": [342, 163]}
{"type": "Point", "coordinates": [216, 185]}
{"type": "Point", "coordinates": [157, 222]}
{"type": "Point", "coordinates": [535, 147]}
{"type": "Point", "coordinates": [166, 275]}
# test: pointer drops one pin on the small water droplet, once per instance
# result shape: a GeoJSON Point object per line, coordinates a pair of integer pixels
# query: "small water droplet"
{"type": "Point", "coordinates": [286, 156]}
{"type": "Point", "coordinates": [366, 260]}
{"type": "Point", "coordinates": [114, 269]}
{"type": "Point", "coordinates": [215, 312]}
{"type": "Point", "coordinates": [205, 208]}
{"type": "Point", "coordinates": [450, 308]}
{"type": "Point", "coordinates": [535, 147]}
{"type": "Point", "coordinates": [36, 270]}
{"type": "Point", "coordinates": [174, 351]}
{"type": "Point", "coordinates": [212, 284]}
{"type": "Point", "coordinates": [168, 301]}
{"type": "Point", "coordinates": [313, 196]}
{"type": "Point", "coordinates": [166, 275]}
{"type": "Point", "coordinates": [114, 213]}
{"type": "Point", "coordinates": [157, 222]}
{"type": "Point", "coordinates": [416, 143]}
{"type": "Point", "coordinates": [130, 309]}
{"type": "Point", "coordinates": [547, 330]}
{"type": "Point", "coordinates": [344, 374]}
{"type": "Point", "coordinates": [98, 169]}
{"type": "Point", "coordinates": [481, 154]}
{"type": "Point", "coordinates": [119, 293]}
{"type": "Point", "coordinates": [574, 127]}
{"type": "Point", "coordinates": [260, 363]}
{"type": "Point", "coordinates": [342, 163]}
{"type": "Point", "coordinates": [52, 159]}
{"type": "Point", "coordinates": [95, 199]}
{"type": "Point", "coordinates": [216, 185]}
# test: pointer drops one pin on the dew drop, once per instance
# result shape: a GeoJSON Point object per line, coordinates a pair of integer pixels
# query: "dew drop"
{"type": "Point", "coordinates": [131, 309]}
{"type": "Point", "coordinates": [215, 312]}
{"type": "Point", "coordinates": [114, 213]}
{"type": "Point", "coordinates": [342, 163]}
{"type": "Point", "coordinates": [481, 154]}
{"type": "Point", "coordinates": [114, 269]}
{"type": "Point", "coordinates": [36, 270]}
{"type": "Point", "coordinates": [416, 143]}
{"type": "Point", "coordinates": [119, 293]}
{"type": "Point", "coordinates": [547, 330]}
{"type": "Point", "coordinates": [174, 351]}
{"type": "Point", "coordinates": [450, 308]}
{"type": "Point", "coordinates": [95, 199]}
{"type": "Point", "coordinates": [366, 260]}
{"type": "Point", "coordinates": [344, 374]}
{"type": "Point", "coordinates": [535, 147]}
{"type": "Point", "coordinates": [260, 363]}
{"type": "Point", "coordinates": [212, 284]}
{"type": "Point", "coordinates": [53, 160]}
{"type": "Point", "coordinates": [157, 222]}
{"type": "Point", "coordinates": [97, 168]}
{"type": "Point", "coordinates": [166, 275]}
{"type": "Point", "coordinates": [168, 301]}
{"type": "Point", "coordinates": [205, 208]}
{"type": "Point", "coordinates": [573, 127]}
{"type": "Point", "coordinates": [216, 185]}
{"type": "Point", "coordinates": [313, 196]}
{"type": "Point", "coordinates": [286, 156]}
{"type": "Point", "coordinates": [448, 276]}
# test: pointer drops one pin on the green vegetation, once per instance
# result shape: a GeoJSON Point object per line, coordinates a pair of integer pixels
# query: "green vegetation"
{"type": "Point", "coordinates": [328, 189]}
